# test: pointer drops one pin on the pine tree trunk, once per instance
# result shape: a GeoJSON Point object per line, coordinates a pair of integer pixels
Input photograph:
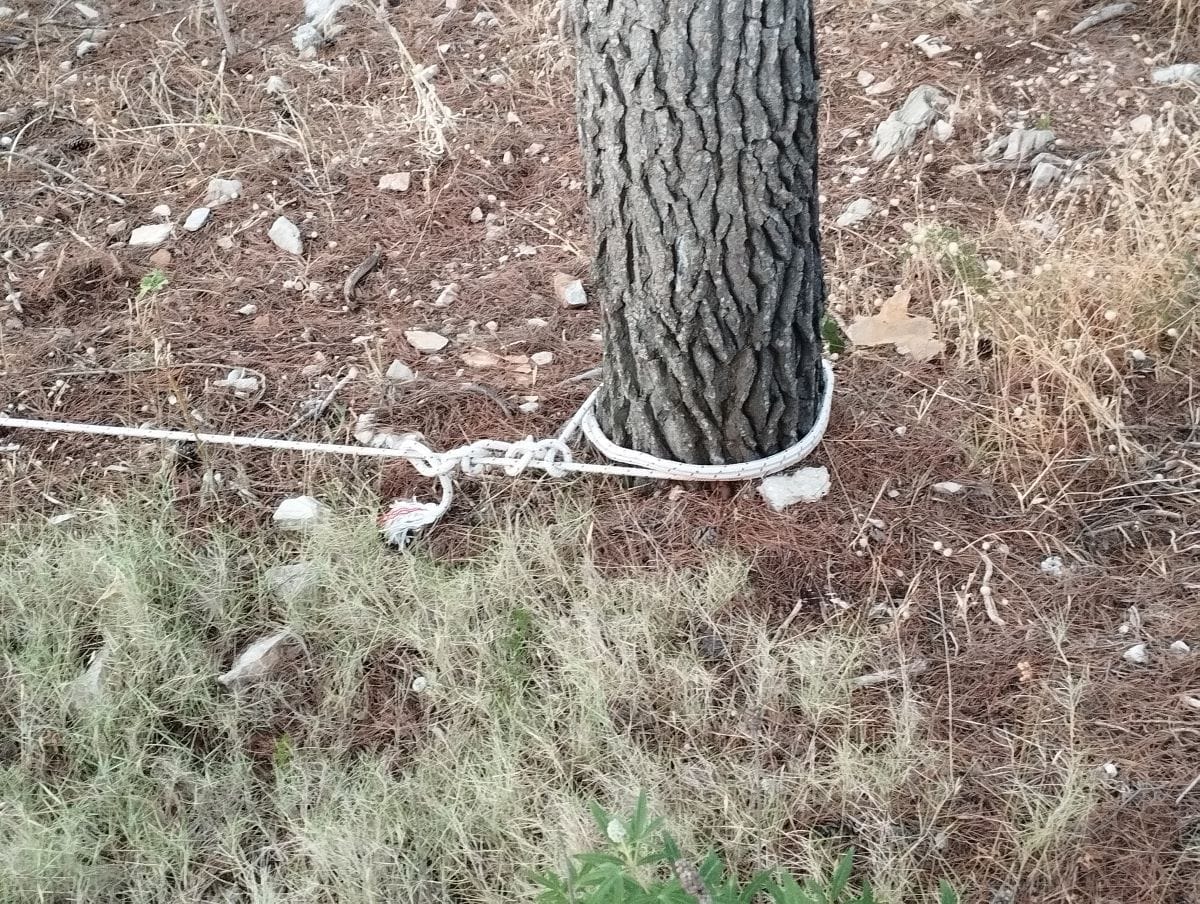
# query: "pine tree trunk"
{"type": "Point", "coordinates": [698, 120]}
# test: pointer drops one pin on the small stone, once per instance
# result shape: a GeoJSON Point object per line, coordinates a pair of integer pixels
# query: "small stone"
{"type": "Point", "coordinates": [536, 323]}
{"type": "Point", "coordinates": [447, 296]}
{"type": "Point", "coordinates": [569, 291]}
{"type": "Point", "coordinates": [497, 78]}
{"type": "Point", "coordinates": [196, 219]}
{"type": "Point", "coordinates": [1053, 566]}
{"type": "Point", "coordinates": [276, 85]}
{"type": "Point", "coordinates": [395, 182]}
{"type": "Point", "coordinates": [512, 118]}
{"type": "Point", "coordinates": [931, 45]}
{"type": "Point", "coordinates": [248, 310]}
{"type": "Point", "coordinates": [425, 341]}
{"type": "Point", "coordinates": [222, 191]}
{"type": "Point", "coordinates": [83, 48]}
{"type": "Point", "coordinates": [162, 211]}
{"type": "Point", "coordinates": [1181, 647]}
{"type": "Point", "coordinates": [296, 583]}
{"type": "Point", "coordinates": [476, 215]}
{"type": "Point", "coordinates": [856, 212]}
{"type": "Point", "coordinates": [86, 11]}
{"type": "Point", "coordinates": [942, 130]}
{"type": "Point", "coordinates": [1110, 769]}
{"type": "Point", "coordinates": [286, 236]}
{"type": "Point", "coordinates": [161, 259]}
{"type": "Point", "coordinates": [508, 159]}
{"type": "Point", "coordinates": [239, 381]}
{"type": "Point", "coordinates": [881, 88]}
{"type": "Point", "coordinates": [900, 129]}
{"type": "Point", "coordinates": [494, 232]}
{"type": "Point", "coordinates": [1019, 145]}
{"type": "Point", "coordinates": [260, 659]}
{"type": "Point", "coordinates": [1045, 175]}
{"type": "Point", "coordinates": [541, 359]}
{"type": "Point", "coordinates": [115, 228]}
{"type": "Point", "coordinates": [534, 149]}
{"type": "Point", "coordinates": [149, 235]}
{"type": "Point", "coordinates": [947, 488]}
{"type": "Point", "coordinates": [1136, 654]}
{"type": "Point", "coordinates": [299, 513]}
{"type": "Point", "coordinates": [399, 372]}
{"type": "Point", "coordinates": [804, 485]}
{"type": "Point", "coordinates": [225, 242]}
{"type": "Point", "coordinates": [7, 12]}
{"type": "Point", "coordinates": [1173, 75]}
{"type": "Point", "coordinates": [865, 78]}
{"type": "Point", "coordinates": [1141, 125]}
{"type": "Point", "coordinates": [420, 683]}
{"type": "Point", "coordinates": [1104, 14]}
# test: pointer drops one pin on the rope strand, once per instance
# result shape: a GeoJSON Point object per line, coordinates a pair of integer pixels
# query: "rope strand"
{"type": "Point", "coordinates": [553, 456]}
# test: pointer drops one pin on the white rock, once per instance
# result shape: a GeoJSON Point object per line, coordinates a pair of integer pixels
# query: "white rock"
{"type": "Point", "coordinates": [196, 219]}
{"type": "Point", "coordinates": [1045, 175]}
{"type": "Point", "coordinates": [1053, 566]}
{"type": "Point", "coordinates": [900, 129]}
{"type": "Point", "coordinates": [856, 212]}
{"type": "Point", "coordinates": [419, 684]}
{"type": "Point", "coordinates": [1110, 769]}
{"type": "Point", "coordinates": [1141, 125]}
{"type": "Point", "coordinates": [1104, 14]}
{"type": "Point", "coordinates": [222, 191]}
{"type": "Point", "coordinates": [947, 488]}
{"type": "Point", "coordinates": [804, 485]}
{"type": "Point", "coordinates": [864, 78]}
{"type": "Point", "coordinates": [1180, 646]}
{"type": "Point", "coordinates": [294, 583]}
{"type": "Point", "coordinates": [7, 12]}
{"type": "Point", "coordinates": [162, 211]}
{"type": "Point", "coordinates": [528, 407]}
{"type": "Point", "coordinates": [395, 181]}
{"type": "Point", "coordinates": [248, 310]}
{"type": "Point", "coordinates": [286, 236]}
{"type": "Point", "coordinates": [570, 292]}
{"type": "Point", "coordinates": [447, 296]}
{"type": "Point", "coordinates": [426, 341]}
{"type": "Point", "coordinates": [239, 381]}
{"type": "Point", "coordinates": [541, 359]}
{"type": "Point", "coordinates": [306, 39]}
{"type": "Point", "coordinates": [476, 215]}
{"type": "Point", "coordinates": [276, 85]}
{"type": "Point", "coordinates": [1180, 72]}
{"type": "Point", "coordinates": [297, 513]}
{"type": "Point", "coordinates": [149, 235]}
{"type": "Point", "coordinates": [931, 45]}
{"type": "Point", "coordinates": [1019, 145]}
{"type": "Point", "coordinates": [259, 659]}
{"type": "Point", "coordinates": [1137, 654]}
{"type": "Point", "coordinates": [86, 11]}
{"type": "Point", "coordinates": [943, 130]}
{"type": "Point", "coordinates": [881, 88]}
{"type": "Point", "coordinates": [83, 48]}
{"type": "Point", "coordinates": [399, 372]}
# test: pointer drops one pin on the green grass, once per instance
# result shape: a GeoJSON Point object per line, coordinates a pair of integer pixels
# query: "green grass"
{"type": "Point", "coordinates": [548, 685]}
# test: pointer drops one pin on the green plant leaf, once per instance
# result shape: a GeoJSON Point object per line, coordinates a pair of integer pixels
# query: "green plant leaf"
{"type": "Point", "coordinates": [946, 893]}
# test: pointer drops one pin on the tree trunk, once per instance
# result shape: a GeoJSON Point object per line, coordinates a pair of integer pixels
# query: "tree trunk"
{"type": "Point", "coordinates": [698, 120]}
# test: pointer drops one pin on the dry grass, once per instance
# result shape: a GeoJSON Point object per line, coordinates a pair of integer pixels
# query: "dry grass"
{"type": "Point", "coordinates": [549, 684]}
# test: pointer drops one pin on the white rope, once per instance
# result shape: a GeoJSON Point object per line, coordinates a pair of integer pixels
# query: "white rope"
{"type": "Point", "coordinates": [553, 455]}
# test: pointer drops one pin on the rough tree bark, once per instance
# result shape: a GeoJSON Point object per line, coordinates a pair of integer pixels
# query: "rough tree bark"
{"type": "Point", "coordinates": [698, 121]}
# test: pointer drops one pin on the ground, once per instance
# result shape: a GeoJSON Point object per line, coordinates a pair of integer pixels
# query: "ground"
{"type": "Point", "coordinates": [585, 639]}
